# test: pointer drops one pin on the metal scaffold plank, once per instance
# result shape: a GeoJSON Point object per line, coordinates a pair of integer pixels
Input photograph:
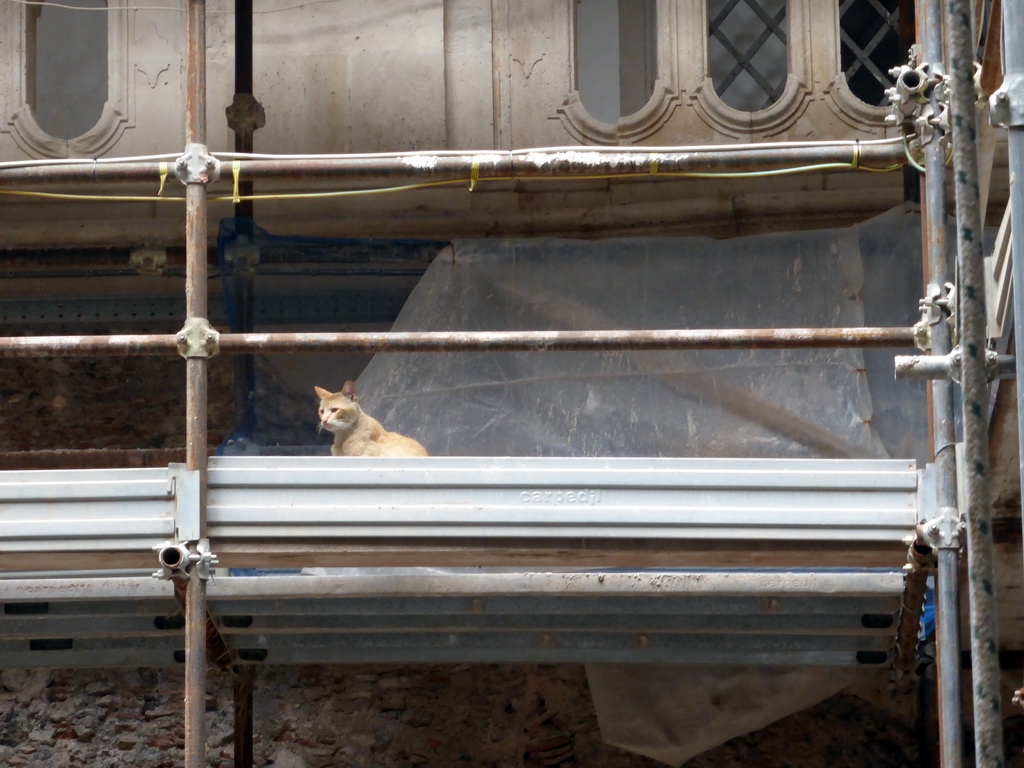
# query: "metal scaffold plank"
{"type": "Point", "coordinates": [709, 617]}
{"type": "Point", "coordinates": [271, 512]}
{"type": "Point", "coordinates": [550, 511]}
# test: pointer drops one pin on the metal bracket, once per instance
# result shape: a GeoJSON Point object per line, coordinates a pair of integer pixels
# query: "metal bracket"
{"type": "Point", "coordinates": [996, 366]}
{"type": "Point", "coordinates": [187, 489]}
{"type": "Point", "coordinates": [1007, 103]}
{"type": "Point", "coordinates": [941, 526]}
{"type": "Point", "coordinates": [187, 551]}
{"type": "Point", "coordinates": [148, 261]}
{"type": "Point", "coordinates": [197, 165]}
{"type": "Point", "coordinates": [197, 338]}
{"type": "Point", "coordinates": [938, 304]}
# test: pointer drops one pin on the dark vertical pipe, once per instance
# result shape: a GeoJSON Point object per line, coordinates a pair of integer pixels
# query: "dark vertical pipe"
{"type": "Point", "coordinates": [195, 380]}
{"type": "Point", "coordinates": [908, 23]}
{"type": "Point", "coordinates": [938, 272]}
{"type": "Point", "coordinates": [243, 716]}
{"type": "Point", "coordinates": [245, 373]}
{"type": "Point", "coordinates": [243, 85]}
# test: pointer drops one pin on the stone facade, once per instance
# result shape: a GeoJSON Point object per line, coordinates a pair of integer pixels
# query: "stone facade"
{"type": "Point", "coordinates": [454, 74]}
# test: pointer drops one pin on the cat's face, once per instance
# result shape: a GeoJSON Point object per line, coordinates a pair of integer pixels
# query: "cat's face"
{"type": "Point", "coordinates": [338, 412]}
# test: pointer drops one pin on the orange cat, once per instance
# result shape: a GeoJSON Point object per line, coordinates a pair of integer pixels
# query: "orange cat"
{"type": "Point", "coordinates": [356, 433]}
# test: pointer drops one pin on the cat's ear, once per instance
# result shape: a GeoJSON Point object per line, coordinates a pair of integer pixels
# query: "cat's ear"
{"type": "Point", "coordinates": [349, 391]}
{"type": "Point", "coordinates": [322, 392]}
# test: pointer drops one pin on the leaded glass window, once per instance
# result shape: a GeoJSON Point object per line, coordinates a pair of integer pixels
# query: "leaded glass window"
{"type": "Point", "coordinates": [870, 46]}
{"type": "Point", "coordinates": [747, 51]}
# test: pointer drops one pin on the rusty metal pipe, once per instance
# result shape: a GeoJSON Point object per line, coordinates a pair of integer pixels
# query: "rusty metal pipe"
{"type": "Point", "coordinates": [466, 341]}
{"type": "Point", "coordinates": [581, 163]}
{"type": "Point", "coordinates": [196, 381]}
{"type": "Point", "coordinates": [508, 341]}
{"type": "Point", "coordinates": [136, 345]}
{"type": "Point", "coordinates": [195, 671]}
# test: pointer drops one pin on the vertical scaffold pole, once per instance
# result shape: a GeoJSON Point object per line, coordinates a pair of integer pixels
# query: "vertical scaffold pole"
{"type": "Point", "coordinates": [988, 725]}
{"type": "Point", "coordinates": [939, 271]}
{"type": "Point", "coordinates": [196, 380]}
{"type": "Point", "coordinates": [1011, 93]}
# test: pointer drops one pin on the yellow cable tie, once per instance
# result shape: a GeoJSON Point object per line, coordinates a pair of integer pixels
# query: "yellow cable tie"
{"type": "Point", "coordinates": [236, 171]}
{"type": "Point", "coordinates": [474, 174]}
{"type": "Point", "coordinates": [654, 167]}
{"type": "Point", "coordinates": [163, 177]}
{"type": "Point", "coordinates": [856, 154]}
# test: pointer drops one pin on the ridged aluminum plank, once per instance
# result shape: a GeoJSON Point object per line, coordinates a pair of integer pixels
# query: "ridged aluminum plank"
{"type": "Point", "coordinates": [452, 498]}
{"type": "Point", "coordinates": [84, 510]}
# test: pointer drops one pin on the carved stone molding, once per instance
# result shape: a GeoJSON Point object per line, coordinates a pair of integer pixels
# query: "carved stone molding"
{"type": "Point", "coordinates": [796, 95]}
{"type": "Point", "coordinates": [627, 130]}
{"type": "Point", "coordinates": [118, 112]}
{"type": "Point", "coordinates": [778, 118]}
{"type": "Point", "coordinates": [850, 109]}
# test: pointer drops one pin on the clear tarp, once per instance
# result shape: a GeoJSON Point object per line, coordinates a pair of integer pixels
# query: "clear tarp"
{"type": "Point", "coordinates": [770, 403]}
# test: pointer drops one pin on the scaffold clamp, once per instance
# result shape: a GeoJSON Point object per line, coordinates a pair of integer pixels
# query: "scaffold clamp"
{"type": "Point", "coordinates": [1007, 103]}
{"type": "Point", "coordinates": [197, 165]}
{"type": "Point", "coordinates": [938, 304]}
{"type": "Point", "coordinates": [940, 525]}
{"type": "Point", "coordinates": [197, 338]}
{"type": "Point", "coordinates": [178, 559]}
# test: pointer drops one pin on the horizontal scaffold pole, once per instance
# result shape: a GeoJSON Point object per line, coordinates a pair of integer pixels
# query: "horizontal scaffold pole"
{"type": "Point", "coordinates": [466, 341]}
{"type": "Point", "coordinates": [546, 163]}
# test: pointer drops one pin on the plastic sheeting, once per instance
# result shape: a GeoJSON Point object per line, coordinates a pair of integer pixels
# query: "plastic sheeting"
{"type": "Point", "coordinates": [770, 403]}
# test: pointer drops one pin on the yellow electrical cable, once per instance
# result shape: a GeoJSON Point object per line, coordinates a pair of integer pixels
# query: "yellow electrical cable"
{"type": "Point", "coordinates": [235, 197]}
{"type": "Point", "coordinates": [163, 178]}
{"type": "Point", "coordinates": [236, 172]}
{"type": "Point", "coordinates": [342, 192]}
{"type": "Point", "coordinates": [910, 159]}
{"type": "Point", "coordinates": [474, 175]}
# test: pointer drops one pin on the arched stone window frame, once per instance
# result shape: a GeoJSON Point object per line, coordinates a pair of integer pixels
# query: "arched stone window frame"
{"type": "Point", "coordinates": [838, 95]}
{"type": "Point", "coordinates": [650, 118]}
{"type": "Point", "coordinates": [796, 94]}
{"type": "Point", "coordinates": [18, 119]}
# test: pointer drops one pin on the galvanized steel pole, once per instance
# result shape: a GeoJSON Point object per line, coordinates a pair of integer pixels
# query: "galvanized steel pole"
{"type": "Point", "coordinates": [939, 272]}
{"type": "Point", "coordinates": [1012, 94]}
{"type": "Point", "coordinates": [196, 379]}
{"type": "Point", "coordinates": [988, 725]}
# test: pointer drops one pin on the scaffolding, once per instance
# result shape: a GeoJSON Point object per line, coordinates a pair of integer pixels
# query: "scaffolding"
{"type": "Point", "coordinates": [187, 518]}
